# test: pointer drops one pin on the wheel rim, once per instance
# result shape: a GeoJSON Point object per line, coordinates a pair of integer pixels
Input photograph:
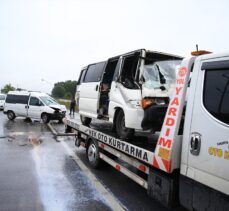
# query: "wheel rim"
{"type": "Point", "coordinates": [10, 115]}
{"type": "Point", "coordinates": [92, 153]}
{"type": "Point", "coordinates": [44, 118]}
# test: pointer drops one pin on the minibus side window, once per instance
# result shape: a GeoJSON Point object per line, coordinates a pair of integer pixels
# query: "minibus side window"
{"type": "Point", "coordinates": [94, 72]}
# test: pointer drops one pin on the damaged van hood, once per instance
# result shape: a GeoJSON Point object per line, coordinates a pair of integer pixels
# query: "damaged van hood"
{"type": "Point", "coordinates": [58, 107]}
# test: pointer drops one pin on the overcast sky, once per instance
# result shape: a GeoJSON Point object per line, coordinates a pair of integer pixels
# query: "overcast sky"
{"type": "Point", "coordinates": [54, 39]}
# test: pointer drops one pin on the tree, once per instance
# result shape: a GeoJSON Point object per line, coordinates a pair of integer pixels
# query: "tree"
{"type": "Point", "coordinates": [58, 91]}
{"type": "Point", "coordinates": [7, 88]}
{"type": "Point", "coordinates": [64, 89]}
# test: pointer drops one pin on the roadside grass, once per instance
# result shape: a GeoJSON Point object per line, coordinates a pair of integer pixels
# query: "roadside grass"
{"type": "Point", "coordinates": [66, 103]}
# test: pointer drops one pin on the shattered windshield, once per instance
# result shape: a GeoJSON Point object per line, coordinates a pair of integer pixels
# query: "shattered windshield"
{"type": "Point", "coordinates": [48, 100]}
{"type": "Point", "coordinates": [159, 71]}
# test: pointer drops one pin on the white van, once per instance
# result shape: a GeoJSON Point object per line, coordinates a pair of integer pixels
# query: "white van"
{"type": "Point", "coordinates": [131, 90]}
{"type": "Point", "coordinates": [34, 105]}
{"type": "Point", "coordinates": [2, 101]}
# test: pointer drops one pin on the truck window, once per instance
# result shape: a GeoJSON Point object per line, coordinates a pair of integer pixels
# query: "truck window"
{"type": "Point", "coordinates": [216, 93]}
{"type": "Point", "coordinates": [94, 72]}
{"type": "Point", "coordinates": [20, 99]}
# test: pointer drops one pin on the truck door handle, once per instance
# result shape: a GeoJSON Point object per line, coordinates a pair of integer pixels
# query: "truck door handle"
{"type": "Point", "coordinates": [96, 88]}
{"type": "Point", "coordinates": [195, 143]}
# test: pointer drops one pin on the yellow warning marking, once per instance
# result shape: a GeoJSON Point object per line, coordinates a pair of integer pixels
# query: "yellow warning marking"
{"type": "Point", "coordinates": [164, 153]}
{"type": "Point", "coordinates": [226, 155]}
{"type": "Point", "coordinates": [216, 152]}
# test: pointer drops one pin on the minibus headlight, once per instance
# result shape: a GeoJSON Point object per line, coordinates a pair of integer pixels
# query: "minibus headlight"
{"type": "Point", "coordinates": [145, 103]}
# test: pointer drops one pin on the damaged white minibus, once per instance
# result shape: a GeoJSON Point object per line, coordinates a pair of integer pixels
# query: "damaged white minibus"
{"type": "Point", "coordinates": [131, 90]}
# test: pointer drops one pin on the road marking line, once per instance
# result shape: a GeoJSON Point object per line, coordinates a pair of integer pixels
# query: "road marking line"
{"type": "Point", "coordinates": [114, 203]}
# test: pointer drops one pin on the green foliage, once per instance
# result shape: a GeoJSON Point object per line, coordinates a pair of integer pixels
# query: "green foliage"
{"type": "Point", "coordinates": [7, 88]}
{"type": "Point", "coordinates": [64, 102]}
{"type": "Point", "coordinates": [64, 89]}
{"type": "Point", "coordinates": [58, 91]}
{"type": "Point", "coordinates": [68, 95]}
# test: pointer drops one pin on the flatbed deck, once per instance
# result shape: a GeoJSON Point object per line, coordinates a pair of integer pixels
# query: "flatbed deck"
{"type": "Point", "coordinates": [145, 140]}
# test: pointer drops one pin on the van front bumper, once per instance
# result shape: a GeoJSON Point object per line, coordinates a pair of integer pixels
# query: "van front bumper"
{"type": "Point", "coordinates": [58, 115]}
{"type": "Point", "coordinates": [154, 117]}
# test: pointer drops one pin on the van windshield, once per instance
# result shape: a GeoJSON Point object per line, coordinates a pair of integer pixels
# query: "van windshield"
{"type": "Point", "coordinates": [2, 97]}
{"type": "Point", "coordinates": [48, 100]}
{"type": "Point", "coordinates": [159, 71]}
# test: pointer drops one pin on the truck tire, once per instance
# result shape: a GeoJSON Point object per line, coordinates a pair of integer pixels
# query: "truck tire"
{"type": "Point", "coordinates": [121, 130]}
{"type": "Point", "coordinates": [85, 120]}
{"type": "Point", "coordinates": [11, 115]}
{"type": "Point", "coordinates": [68, 129]}
{"type": "Point", "coordinates": [93, 154]}
{"type": "Point", "coordinates": [45, 118]}
{"type": "Point", "coordinates": [60, 121]}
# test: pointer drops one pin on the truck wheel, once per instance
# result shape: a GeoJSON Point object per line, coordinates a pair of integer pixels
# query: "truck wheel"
{"type": "Point", "coordinates": [68, 129]}
{"type": "Point", "coordinates": [93, 154]}
{"type": "Point", "coordinates": [11, 115]}
{"type": "Point", "coordinates": [121, 129]}
{"type": "Point", "coordinates": [60, 121]}
{"type": "Point", "coordinates": [45, 118]}
{"type": "Point", "coordinates": [85, 120]}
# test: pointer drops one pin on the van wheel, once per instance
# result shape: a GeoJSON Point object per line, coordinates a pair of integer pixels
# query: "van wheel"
{"type": "Point", "coordinates": [45, 118]}
{"type": "Point", "coordinates": [121, 129]}
{"type": "Point", "coordinates": [85, 120]}
{"type": "Point", "coordinates": [11, 115]}
{"type": "Point", "coordinates": [93, 154]}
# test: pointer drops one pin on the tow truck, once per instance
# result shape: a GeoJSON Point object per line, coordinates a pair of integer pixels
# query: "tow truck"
{"type": "Point", "coordinates": [188, 163]}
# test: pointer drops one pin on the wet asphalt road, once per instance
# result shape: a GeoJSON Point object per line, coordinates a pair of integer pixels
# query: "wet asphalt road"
{"type": "Point", "coordinates": [36, 173]}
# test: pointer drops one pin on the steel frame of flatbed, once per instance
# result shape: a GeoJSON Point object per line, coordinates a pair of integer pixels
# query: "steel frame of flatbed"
{"type": "Point", "coordinates": [137, 157]}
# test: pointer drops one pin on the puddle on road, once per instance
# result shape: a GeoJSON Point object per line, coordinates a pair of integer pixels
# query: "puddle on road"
{"type": "Point", "coordinates": [32, 140]}
{"type": "Point", "coordinates": [23, 132]}
{"type": "Point", "coordinates": [23, 139]}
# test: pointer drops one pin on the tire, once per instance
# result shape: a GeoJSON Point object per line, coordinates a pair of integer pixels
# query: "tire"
{"type": "Point", "coordinates": [11, 115]}
{"type": "Point", "coordinates": [93, 154]}
{"type": "Point", "coordinates": [45, 118]}
{"type": "Point", "coordinates": [121, 130]}
{"type": "Point", "coordinates": [85, 120]}
{"type": "Point", "coordinates": [68, 129]}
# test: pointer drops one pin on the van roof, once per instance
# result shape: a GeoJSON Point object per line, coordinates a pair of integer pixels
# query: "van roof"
{"type": "Point", "coordinates": [138, 50]}
{"type": "Point", "coordinates": [148, 51]}
{"type": "Point", "coordinates": [23, 92]}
